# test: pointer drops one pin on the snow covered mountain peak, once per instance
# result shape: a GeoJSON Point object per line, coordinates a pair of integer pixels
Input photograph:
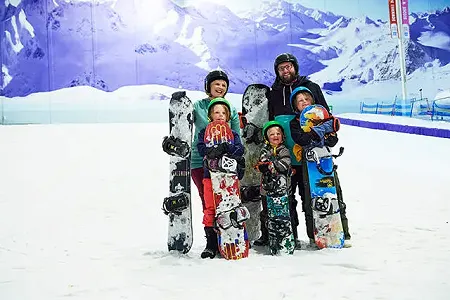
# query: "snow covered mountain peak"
{"type": "Point", "coordinates": [129, 42]}
{"type": "Point", "coordinates": [12, 2]}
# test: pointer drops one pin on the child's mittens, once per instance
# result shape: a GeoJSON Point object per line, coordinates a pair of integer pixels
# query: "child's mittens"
{"type": "Point", "coordinates": [324, 128]}
{"type": "Point", "coordinates": [331, 139]}
{"type": "Point", "coordinates": [265, 167]}
{"type": "Point", "coordinates": [336, 124]}
{"type": "Point", "coordinates": [217, 151]}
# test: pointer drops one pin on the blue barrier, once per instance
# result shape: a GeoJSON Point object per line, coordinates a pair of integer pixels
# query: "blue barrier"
{"type": "Point", "coordinates": [385, 109]}
{"type": "Point", "coordinates": [440, 111]}
{"type": "Point", "coordinates": [437, 110]}
{"type": "Point", "coordinates": [437, 132]}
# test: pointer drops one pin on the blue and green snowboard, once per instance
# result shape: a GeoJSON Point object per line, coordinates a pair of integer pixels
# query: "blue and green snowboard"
{"type": "Point", "coordinates": [320, 169]}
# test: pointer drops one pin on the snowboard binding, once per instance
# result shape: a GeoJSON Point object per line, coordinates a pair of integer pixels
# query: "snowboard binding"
{"type": "Point", "coordinates": [273, 184]}
{"type": "Point", "coordinates": [228, 164]}
{"type": "Point", "coordinates": [225, 164]}
{"type": "Point", "coordinates": [233, 218]}
{"type": "Point", "coordinates": [327, 204]}
{"type": "Point", "coordinates": [175, 204]}
{"type": "Point", "coordinates": [316, 154]}
{"type": "Point", "coordinates": [175, 147]}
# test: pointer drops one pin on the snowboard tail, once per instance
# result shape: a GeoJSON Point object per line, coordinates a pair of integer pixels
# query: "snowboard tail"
{"type": "Point", "coordinates": [328, 231]}
{"type": "Point", "coordinates": [230, 216]}
{"type": "Point", "coordinates": [281, 237]}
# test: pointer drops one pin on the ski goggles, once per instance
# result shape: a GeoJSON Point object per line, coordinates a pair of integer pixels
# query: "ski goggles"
{"type": "Point", "coordinates": [233, 218]}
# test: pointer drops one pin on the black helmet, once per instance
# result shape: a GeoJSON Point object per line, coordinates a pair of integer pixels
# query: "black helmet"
{"type": "Point", "coordinates": [285, 57]}
{"type": "Point", "coordinates": [215, 75]}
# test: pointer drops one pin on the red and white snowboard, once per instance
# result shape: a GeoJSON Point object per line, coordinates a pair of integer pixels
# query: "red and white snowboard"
{"type": "Point", "coordinates": [230, 214]}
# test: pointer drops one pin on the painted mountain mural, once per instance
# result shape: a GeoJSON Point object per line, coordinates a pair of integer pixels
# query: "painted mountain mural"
{"type": "Point", "coordinates": [52, 44]}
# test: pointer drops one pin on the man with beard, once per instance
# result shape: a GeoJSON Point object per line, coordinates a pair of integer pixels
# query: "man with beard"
{"type": "Point", "coordinates": [280, 109]}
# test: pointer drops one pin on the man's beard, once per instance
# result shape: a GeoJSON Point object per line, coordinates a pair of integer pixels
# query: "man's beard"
{"type": "Point", "coordinates": [288, 80]}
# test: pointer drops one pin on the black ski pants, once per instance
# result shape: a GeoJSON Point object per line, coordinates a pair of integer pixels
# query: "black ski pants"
{"type": "Point", "coordinates": [298, 183]}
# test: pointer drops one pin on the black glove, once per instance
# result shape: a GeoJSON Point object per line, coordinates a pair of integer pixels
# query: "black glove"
{"type": "Point", "coordinates": [178, 95]}
{"type": "Point", "coordinates": [217, 151]}
{"type": "Point", "coordinates": [240, 161]}
{"type": "Point", "coordinates": [264, 168]}
{"type": "Point", "coordinates": [331, 139]}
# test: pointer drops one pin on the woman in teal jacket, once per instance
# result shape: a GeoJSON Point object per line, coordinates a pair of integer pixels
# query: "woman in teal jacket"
{"type": "Point", "coordinates": [216, 85]}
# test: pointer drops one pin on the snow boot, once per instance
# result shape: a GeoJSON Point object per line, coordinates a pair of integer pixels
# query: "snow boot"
{"type": "Point", "coordinates": [347, 244]}
{"type": "Point", "coordinates": [298, 244]}
{"type": "Point", "coordinates": [347, 235]}
{"type": "Point", "coordinates": [312, 244]}
{"type": "Point", "coordinates": [211, 243]}
{"type": "Point", "coordinates": [264, 239]}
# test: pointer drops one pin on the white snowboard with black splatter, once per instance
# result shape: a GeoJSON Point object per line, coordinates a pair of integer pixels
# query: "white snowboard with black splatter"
{"type": "Point", "coordinates": [180, 224]}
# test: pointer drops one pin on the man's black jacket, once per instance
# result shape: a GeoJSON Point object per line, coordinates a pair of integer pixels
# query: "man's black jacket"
{"type": "Point", "coordinates": [279, 101]}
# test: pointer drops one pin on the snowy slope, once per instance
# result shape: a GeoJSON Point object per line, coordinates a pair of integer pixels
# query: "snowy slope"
{"type": "Point", "coordinates": [80, 218]}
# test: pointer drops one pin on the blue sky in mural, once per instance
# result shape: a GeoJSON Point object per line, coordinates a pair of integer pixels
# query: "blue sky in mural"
{"type": "Point", "coordinates": [376, 9]}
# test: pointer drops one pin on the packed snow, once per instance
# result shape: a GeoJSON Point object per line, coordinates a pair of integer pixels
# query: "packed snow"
{"type": "Point", "coordinates": [81, 218]}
